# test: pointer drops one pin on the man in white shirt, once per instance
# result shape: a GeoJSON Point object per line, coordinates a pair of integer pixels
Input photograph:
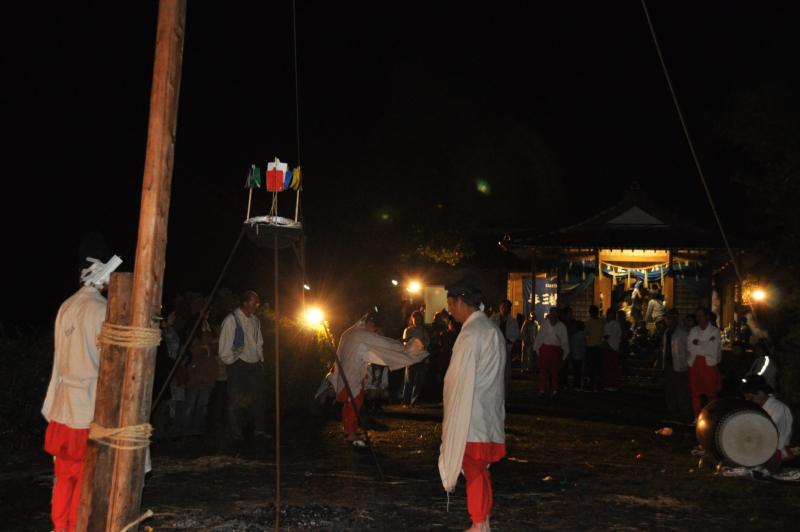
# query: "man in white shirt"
{"type": "Point", "coordinates": [241, 348]}
{"type": "Point", "coordinates": [473, 427]}
{"type": "Point", "coordinates": [69, 404]}
{"type": "Point", "coordinates": [552, 345]}
{"type": "Point", "coordinates": [612, 334]}
{"type": "Point", "coordinates": [756, 389]}
{"type": "Point", "coordinates": [705, 352]}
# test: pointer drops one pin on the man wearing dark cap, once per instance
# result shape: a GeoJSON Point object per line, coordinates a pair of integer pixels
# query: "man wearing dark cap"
{"type": "Point", "coordinates": [674, 362]}
{"type": "Point", "coordinates": [473, 428]}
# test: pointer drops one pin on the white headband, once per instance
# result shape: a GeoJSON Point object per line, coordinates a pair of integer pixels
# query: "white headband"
{"type": "Point", "coordinates": [98, 273]}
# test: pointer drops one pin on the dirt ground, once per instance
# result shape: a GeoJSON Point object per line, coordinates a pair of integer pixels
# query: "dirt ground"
{"type": "Point", "coordinates": [571, 465]}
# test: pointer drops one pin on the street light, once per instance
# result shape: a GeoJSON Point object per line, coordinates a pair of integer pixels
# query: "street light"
{"type": "Point", "coordinates": [759, 295]}
{"type": "Point", "coordinates": [306, 287]}
{"type": "Point", "coordinates": [394, 282]}
{"type": "Point", "coordinates": [414, 287]}
{"type": "Point", "coordinates": [313, 317]}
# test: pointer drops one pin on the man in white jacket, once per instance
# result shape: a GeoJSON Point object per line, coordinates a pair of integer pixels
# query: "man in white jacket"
{"type": "Point", "coordinates": [473, 428]}
{"type": "Point", "coordinates": [69, 404]}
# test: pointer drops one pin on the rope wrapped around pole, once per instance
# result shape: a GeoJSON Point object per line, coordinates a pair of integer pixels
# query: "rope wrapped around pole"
{"type": "Point", "coordinates": [128, 336]}
{"type": "Point", "coordinates": [130, 438]}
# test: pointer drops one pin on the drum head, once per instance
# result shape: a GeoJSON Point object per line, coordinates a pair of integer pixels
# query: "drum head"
{"type": "Point", "coordinates": [747, 438]}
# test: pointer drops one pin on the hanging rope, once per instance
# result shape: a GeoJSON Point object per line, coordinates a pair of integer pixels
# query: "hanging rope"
{"type": "Point", "coordinates": [128, 336]}
{"type": "Point", "coordinates": [131, 438]}
{"type": "Point", "coordinates": [296, 84]}
{"type": "Point", "coordinates": [689, 141]}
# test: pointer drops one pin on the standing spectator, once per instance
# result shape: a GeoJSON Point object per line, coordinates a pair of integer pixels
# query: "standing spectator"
{"type": "Point", "coordinates": [674, 362]}
{"type": "Point", "coordinates": [447, 338]}
{"type": "Point", "coordinates": [742, 332]}
{"type": "Point", "coordinates": [528, 332]}
{"type": "Point", "coordinates": [202, 372]}
{"type": "Point", "coordinates": [416, 373]}
{"type": "Point", "coordinates": [577, 352]}
{"type": "Point", "coordinates": [705, 352]}
{"type": "Point", "coordinates": [567, 318]}
{"type": "Point", "coordinates": [654, 312]}
{"type": "Point", "coordinates": [241, 349]}
{"type": "Point", "coordinates": [637, 302]}
{"type": "Point", "coordinates": [69, 404]}
{"type": "Point", "coordinates": [594, 348]}
{"type": "Point", "coordinates": [552, 345]}
{"type": "Point", "coordinates": [218, 401]}
{"type": "Point", "coordinates": [612, 333]}
{"type": "Point", "coordinates": [510, 330]}
{"type": "Point", "coordinates": [177, 389]}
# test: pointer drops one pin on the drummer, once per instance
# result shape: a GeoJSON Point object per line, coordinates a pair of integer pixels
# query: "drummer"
{"type": "Point", "coordinates": [756, 389]}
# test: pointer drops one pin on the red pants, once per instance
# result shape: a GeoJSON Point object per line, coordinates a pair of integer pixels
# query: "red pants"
{"type": "Point", "coordinates": [477, 457]}
{"type": "Point", "coordinates": [68, 446]}
{"type": "Point", "coordinates": [703, 380]}
{"type": "Point", "coordinates": [349, 417]}
{"type": "Point", "coordinates": [611, 369]}
{"type": "Point", "coordinates": [551, 358]}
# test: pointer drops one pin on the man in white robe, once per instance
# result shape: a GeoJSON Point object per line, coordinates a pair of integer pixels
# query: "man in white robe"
{"type": "Point", "coordinates": [69, 404]}
{"type": "Point", "coordinates": [359, 346]}
{"type": "Point", "coordinates": [473, 428]}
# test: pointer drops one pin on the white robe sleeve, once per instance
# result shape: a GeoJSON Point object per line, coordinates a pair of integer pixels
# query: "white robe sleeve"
{"type": "Point", "coordinates": [459, 388]}
{"type": "Point", "coordinates": [392, 353]}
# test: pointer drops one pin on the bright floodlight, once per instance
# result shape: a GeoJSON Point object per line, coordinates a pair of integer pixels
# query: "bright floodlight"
{"type": "Point", "coordinates": [414, 287]}
{"type": "Point", "coordinates": [394, 282]}
{"type": "Point", "coordinates": [759, 295]}
{"type": "Point", "coordinates": [313, 316]}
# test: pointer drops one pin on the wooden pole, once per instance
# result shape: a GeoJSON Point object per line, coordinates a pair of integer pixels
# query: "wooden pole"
{"type": "Point", "coordinates": [99, 461]}
{"type": "Point", "coordinates": [148, 275]}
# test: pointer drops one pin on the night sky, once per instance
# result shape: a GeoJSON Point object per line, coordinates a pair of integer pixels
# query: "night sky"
{"type": "Point", "coordinates": [403, 106]}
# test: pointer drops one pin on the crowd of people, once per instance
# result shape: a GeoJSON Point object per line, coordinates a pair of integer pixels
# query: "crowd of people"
{"type": "Point", "coordinates": [463, 360]}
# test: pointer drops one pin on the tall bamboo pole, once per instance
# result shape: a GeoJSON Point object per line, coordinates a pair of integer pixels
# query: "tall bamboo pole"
{"type": "Point", "coordinates": [148, 275]}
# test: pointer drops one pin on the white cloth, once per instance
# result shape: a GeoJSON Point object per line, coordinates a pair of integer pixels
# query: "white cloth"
{"type": "Point", "coordinates": [680, 353]}
{"type": "Point", "coordinates": [73, 385]}
{"type": "Point", "coordinates": [512, 327]}
{"type": "Point", "coordinates": [781, 415]}
{"type": "Point", "coordinates": [253, 350]}
{"type": "Point", "coordinates": [359, 347]}
{"type": "Point", "coordinates": [474, 394]}
{"type": "Point", "coordinates": [555, 335]}
{"type": "Point", "coordinates": [613, 333]}
{"type": "Point", "coordinates": [708, 345]}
